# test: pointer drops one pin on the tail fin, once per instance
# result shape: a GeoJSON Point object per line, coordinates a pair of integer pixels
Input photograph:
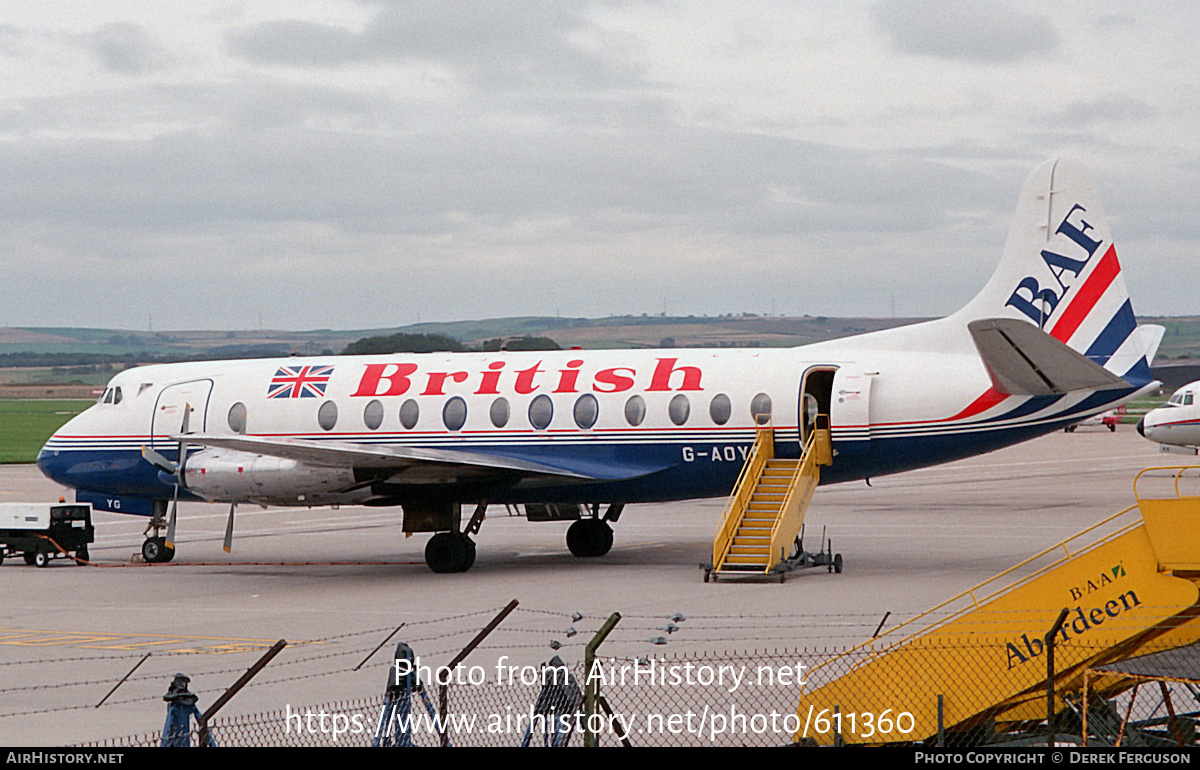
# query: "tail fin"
{"type": "Point", "coordinates": [1059, 271]}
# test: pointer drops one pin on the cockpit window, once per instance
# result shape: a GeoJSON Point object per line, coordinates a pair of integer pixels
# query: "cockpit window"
{"type": "Point", "coordinates": [1187, 399]}
{"type": "Point", "coordinates": [107, 397]}
{"type": "Point", "coordinates": [117, 395]}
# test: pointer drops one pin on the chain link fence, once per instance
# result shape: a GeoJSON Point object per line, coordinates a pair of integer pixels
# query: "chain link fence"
{"type": "Point", "coordinates": [746, 699]}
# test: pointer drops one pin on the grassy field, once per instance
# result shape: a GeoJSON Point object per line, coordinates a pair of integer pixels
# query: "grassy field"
{"type": "Point", "coordinates": [25, 424]}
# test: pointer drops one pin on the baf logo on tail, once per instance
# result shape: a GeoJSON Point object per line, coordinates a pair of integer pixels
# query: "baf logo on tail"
{"type": "Point", "coordinates": [1040, 303]}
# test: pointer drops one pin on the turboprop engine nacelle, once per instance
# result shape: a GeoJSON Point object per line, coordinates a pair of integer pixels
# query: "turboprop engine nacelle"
{"type": "Point", "coordinates": [222, 474]}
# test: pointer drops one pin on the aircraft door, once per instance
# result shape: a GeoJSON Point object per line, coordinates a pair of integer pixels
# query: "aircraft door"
{"type": "Point", "coordinates": [168, 411]}
{"type": "Point", "coordinates": [851, 411]}
{"type": "Point", "coordinates": [816, 390]}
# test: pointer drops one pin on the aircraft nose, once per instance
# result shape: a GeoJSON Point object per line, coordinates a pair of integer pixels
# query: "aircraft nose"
{"type": "Point", "coordinates": [47, 462]}
{"type": "Point", "coordinates": [1141, 427]}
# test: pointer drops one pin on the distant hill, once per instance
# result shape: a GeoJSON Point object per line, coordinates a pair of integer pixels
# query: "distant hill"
{"type": "Point", "coordinates": [55, 355]}
{"type": "Point", "coordinates": [613, 331]}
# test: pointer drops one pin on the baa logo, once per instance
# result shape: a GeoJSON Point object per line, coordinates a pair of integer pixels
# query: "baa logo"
{"type": "Point", "coordinates": [1038, 303]}
{"type": "Point", "coordinates": [1105, 579]}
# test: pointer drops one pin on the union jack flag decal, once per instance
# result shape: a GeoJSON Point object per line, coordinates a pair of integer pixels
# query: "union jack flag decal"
{"type": "Point", "coordinates": [299, 382]}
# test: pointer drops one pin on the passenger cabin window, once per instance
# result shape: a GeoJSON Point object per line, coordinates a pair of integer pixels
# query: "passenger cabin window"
{"type": "Point", "coordinates": [327, 415]}
{"type": "Point", "coordinates": [720, 409]}
{"type": "Point", "coordinates": [679, 409]}
{"type": "Point", "coordinates": [409, 414]}
{"type": "Point", "coordinates": [635, 410]}
{"type": "Point", "coordinates": [237, 418]}
{"type": "Point", "coordinates": [541, 412]}
{"type": "Point", "coordinates": [373, 414]}
{"type": "Point", "coordinates": [499, 412]}
{"type": "Point", "coordinates": [760, 406]}
{"type": "Point", "coordinates": [454, 414]}
{"type": "Point", "coordinates": [587, 410]}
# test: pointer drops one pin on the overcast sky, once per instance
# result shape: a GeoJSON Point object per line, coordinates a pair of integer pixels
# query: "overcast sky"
{"type": "Point", "coordinates": [343, 164]}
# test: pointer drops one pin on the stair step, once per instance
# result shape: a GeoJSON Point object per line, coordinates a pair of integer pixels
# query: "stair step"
{"type": "Point", "coordinates": [741, 568]}
{"type": "Point", "coordinates": [735, 560]}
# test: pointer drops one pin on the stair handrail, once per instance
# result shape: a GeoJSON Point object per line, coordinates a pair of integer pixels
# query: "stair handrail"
{"type": "Point", "coordinates": [817, 451]}
{"type": "Point", "coordinates": [887, 641]}
{"type": "Point", "coordinates": [762, 450]}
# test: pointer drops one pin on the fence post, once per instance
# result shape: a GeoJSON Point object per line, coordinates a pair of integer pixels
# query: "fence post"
{"type": "Point", "coordinates": [589, 657]}
{"type": "Point", "coordinates": [941, 739]}
{"type": "Point", "coordinates": [1049, 643]}
{"type": "Point", "coordinates": [443, 698]}
{"type": "Point", "coordinates": [234, 688]}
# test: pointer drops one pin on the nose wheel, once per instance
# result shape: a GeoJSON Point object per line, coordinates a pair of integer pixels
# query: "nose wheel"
{"type": "Point", "coordinates": [156, 551]}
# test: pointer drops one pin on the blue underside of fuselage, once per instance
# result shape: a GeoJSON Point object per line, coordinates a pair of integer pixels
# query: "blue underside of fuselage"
{"type": "Point", "coordinates": [624, 473]}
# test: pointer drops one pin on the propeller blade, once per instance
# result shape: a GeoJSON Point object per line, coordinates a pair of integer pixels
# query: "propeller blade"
{"type": "Point", "coordinates": [158, 461]}
{"type": "Point", "coordinates": [183, 430]}
{"type": "Point", "coordinates": [229, 529]}
{"type": "Point", "coordinates": [171, 521]}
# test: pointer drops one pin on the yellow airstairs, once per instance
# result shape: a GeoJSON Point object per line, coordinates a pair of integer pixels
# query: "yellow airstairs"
{"type": "Point", "coordinates": [1130, 585]}
{"type": "Point", "coordinates": [766, 510]}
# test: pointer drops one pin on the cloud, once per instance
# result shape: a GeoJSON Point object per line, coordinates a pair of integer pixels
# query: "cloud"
{"type": "Point", "coordinates": [125, 48]}
{"type": "Point", "coordinates": [299, 43]}
{"type": "Point", "coordinates": [1103, 109]}
{"type": "Point", "coordinates": [510, 44]}
{"type": "Point", "coordinates": [986, 31]}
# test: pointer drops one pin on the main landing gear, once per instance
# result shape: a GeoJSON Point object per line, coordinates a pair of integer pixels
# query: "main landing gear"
{"type": "Point", "coordinates": [455, 551]}
{"type": "Point", "coordinates": [593, 536]}
{"type": "Point", "coordinates": [450, 552]}
{"type": "Point", "coordinates": [589, 535]}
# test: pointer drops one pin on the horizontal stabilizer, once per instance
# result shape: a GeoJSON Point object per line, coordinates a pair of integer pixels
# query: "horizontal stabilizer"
{"type": "Point", "coordinates": [1023, 360]}
{"type": "Point", "coordinates": [1149, 338]}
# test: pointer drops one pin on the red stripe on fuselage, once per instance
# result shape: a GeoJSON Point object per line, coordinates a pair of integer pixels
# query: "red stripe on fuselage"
{"type": "Point", "coordinates": [990, 398]}
{"type": "Point", "coordinates": [1087, 296]}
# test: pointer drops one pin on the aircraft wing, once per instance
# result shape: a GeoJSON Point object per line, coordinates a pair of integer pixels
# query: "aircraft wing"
{"type": "Point", "coordinates": [402, 458]}
{"type": "Point", "coordinates": [1023, 360]}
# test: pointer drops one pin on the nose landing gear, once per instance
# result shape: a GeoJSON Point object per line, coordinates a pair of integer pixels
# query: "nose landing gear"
{"type": "Point", "coordinates": [155, 549]}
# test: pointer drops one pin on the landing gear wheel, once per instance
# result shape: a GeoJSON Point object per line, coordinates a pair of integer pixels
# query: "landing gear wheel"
{"type": "Point", "coordinates": [41, 558]}
{"type": "Point", "coordinates": [590, 537]}
{"type": "Point", "coordinates": [837, 564]}
{"type": "Point", "coordinates": [1112, 428]}
{"type": "Point", "coordinates": [81, 556]}
{"type": "Point", "coordinates": [156, 551]}
{"type": "Point", "coordinates": [28, 557]}
{"type": "Point", "coordinates": [450, 552]}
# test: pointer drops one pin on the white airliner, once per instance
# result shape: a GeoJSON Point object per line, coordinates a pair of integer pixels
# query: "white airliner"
{"type": "Point", "coordinates": [1049, 340]}
{"type": "Point", "coordinates": [1177, 423]}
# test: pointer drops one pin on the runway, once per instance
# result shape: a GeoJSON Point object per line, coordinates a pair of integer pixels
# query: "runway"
{"type": "Point", "coordinates": [335, 583]}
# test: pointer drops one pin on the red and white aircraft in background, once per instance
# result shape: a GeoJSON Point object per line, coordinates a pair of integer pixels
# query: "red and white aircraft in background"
{"type": "Point", "coordinates": [1049, 340]}
{"type": "Point", "coordinates": [1176, 424]}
